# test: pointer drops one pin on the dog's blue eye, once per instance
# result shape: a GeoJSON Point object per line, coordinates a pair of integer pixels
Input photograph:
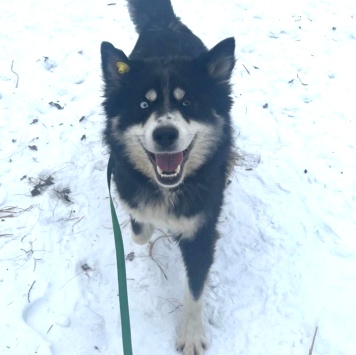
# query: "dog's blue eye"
{"type": "Point", "coordinates": [144, 104]}
{"type": "Point", "coordinates": [186, 102]}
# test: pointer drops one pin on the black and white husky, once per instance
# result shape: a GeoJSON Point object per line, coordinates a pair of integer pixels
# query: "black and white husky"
{"type": "Point", "coordinates": [169, 132]}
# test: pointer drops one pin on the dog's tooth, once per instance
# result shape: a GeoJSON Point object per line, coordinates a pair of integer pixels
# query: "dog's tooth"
{"type": "Point", "coordinates": [160, 171]}
{"type": "Point", "coordinates": [168, 176]}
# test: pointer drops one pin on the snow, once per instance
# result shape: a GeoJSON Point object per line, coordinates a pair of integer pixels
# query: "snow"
{"type": "Point", "coordinates": [286, 260]}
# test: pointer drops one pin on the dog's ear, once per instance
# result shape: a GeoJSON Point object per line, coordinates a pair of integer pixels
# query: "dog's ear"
{"type": "Point", "coordinates": [220, 60]}
{"type": "Point", "coordinates": [114, 63]}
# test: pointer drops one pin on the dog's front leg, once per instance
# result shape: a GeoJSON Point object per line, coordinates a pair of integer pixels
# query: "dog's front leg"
{"type": "Point", "coordinates": [198, 254]}
{"type": "Point", "coordinates": [191, 340]}
{"type": "Point", "coordinates": [141, 232]}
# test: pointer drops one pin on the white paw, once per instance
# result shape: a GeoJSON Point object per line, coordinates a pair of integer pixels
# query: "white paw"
{"type": "Point", "coordinates": [141, 238]}
{"type": "Point", "coordinates": [192, 344]}
{"type": "Point", "coordinates": [143, 235]}
{"type": "Point", "coordinates": [191, 340]}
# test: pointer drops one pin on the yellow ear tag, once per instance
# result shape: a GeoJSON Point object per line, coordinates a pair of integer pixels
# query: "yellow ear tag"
{"type": "Point", "coordinates": [122, 67]}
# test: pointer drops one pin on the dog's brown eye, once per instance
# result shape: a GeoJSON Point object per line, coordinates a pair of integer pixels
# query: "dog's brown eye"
{"type": "Point", "coordinates": [186, 102]}
{"type": "Point", "coordinates": [144, 104]}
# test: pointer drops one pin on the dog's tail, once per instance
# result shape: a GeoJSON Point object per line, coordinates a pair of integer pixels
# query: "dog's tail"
{"type": "Point", "coordinates": [147, 13]}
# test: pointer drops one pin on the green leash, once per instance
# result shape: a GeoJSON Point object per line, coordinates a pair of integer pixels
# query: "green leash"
{"type": "Point", "coordinates": [121, 271]}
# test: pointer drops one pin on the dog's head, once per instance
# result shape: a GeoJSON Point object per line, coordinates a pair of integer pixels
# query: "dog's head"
{"type": "Point", "coordinates": [167, 116]}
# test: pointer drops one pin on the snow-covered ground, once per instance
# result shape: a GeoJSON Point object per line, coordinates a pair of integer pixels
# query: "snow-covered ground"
{"type": "Point", "coordinates": [286, 261]}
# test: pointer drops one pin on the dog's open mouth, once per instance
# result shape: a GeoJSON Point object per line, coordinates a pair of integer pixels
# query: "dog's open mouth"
{"type": "Point", "coordinates": [169, 166]}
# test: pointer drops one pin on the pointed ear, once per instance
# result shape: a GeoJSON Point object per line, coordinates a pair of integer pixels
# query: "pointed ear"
{"type": "Point", "coordinates": [220, 60]}
{"type": "Point", "coordinates": [114, 63]}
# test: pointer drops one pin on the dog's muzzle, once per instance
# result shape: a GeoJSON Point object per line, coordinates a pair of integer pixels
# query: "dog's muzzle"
{"type": "Point", "coordinates": [169, 167]}
{"type": "Point", "coordinates": [168, 163]}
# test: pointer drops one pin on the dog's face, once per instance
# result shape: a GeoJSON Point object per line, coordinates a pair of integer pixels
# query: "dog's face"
{"type": "Point", "coordinates": [167, 116]}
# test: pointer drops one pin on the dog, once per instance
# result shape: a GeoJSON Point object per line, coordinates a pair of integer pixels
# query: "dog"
{"type": "Point", "coordinates": [169, 132]}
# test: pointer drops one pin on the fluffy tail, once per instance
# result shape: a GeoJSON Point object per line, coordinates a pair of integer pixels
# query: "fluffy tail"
{"type": "Point", "coordinates": [151, 13]}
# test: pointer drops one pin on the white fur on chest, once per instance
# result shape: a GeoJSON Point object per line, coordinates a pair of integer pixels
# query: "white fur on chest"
{"type": "Point", "coordinates": [157, 215]}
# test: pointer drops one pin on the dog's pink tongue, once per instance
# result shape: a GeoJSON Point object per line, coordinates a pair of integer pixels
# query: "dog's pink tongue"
{"type": "Point", "coordinates": [168, 162]}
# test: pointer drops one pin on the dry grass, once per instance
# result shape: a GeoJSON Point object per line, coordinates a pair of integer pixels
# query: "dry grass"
{"type": "Point", "coordinates": [151, 246]}
{"type": "Point", "coordinates": [12, 211]}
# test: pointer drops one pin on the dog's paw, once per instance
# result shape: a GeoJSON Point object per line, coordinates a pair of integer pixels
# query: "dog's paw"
{"type": "Point", "coordinates": [141, 232]}
{"type": "Point", "coordinates": [140, 239]}
{"type": "Point", "coordinates": [191, 344]}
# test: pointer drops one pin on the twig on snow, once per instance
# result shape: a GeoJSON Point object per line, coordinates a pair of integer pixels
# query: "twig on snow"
{"type": "Point", "coordinates": [35, 263]}
{"type": "Point", "coordinates": [124, 223]}
{"type": "Point", "coordinates": [85, 269]}
{"type": "Point", "coordinates": [79, 273]}
{"type": "Point", "coordinates": [29, 291]}
{"type": "Point", "coordinates": [312, 346]}
{"type": "Point", "coordinates": [153, 258]}
{"type": "Point", "coordinates": [173, 302]}
{"type": "Point", "coordinates": [301, 80]}
{"type": "Point", "coordinates": [246, 69]}
{"type": "Point", "coordinates": [164, 235]}
{"type": "Point", "coordinates": [76, 223]}
{"type": "Point", "coordinates": [17, 75]}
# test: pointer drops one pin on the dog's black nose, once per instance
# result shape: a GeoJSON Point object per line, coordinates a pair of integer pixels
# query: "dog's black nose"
{"type": "Point", "coordinates": [165, 136]}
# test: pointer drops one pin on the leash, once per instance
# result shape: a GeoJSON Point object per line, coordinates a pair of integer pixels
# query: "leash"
{"type": "Point", "coordinates": [121, 271]}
